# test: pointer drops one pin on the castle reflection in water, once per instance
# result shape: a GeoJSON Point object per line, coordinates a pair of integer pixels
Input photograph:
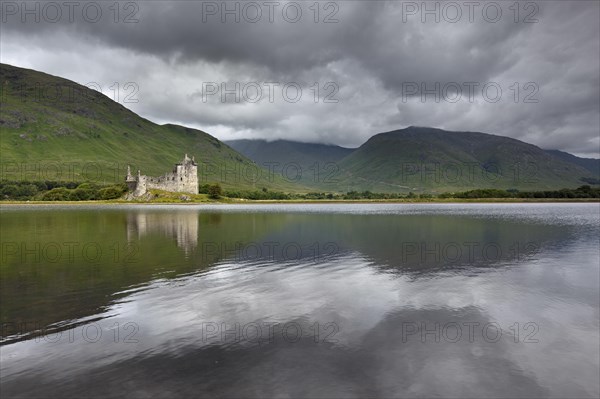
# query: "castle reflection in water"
{"type": "Point", "coordinates": [180, 226]}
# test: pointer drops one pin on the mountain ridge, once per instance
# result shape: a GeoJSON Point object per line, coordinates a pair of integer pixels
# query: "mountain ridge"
{"type": "Point", "coordinates": [94, 129]}
{"type": "Point", "coordinates": [403, 160]}
{"type": "Point", "coordinates": [435, 160]}
{"type": "Point", "coordinates": [591, 164]}
{"type": "Point", "coordinates": [50, 136]}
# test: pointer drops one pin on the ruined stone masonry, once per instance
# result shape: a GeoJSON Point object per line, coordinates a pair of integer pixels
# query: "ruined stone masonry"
{"type": "Point", "coordinates": [183, 179]}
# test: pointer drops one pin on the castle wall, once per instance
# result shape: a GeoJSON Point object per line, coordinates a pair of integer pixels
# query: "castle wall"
{"type": "Point", "coordinates": [141, 188]}
{"type": "Point", "coordinates": [183, 227]}
{"type": "Point", "coordinates": [183, 179]}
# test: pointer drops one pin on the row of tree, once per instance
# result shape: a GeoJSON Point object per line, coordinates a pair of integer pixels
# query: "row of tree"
{"type": "Point", "coordinates": [585, 191]}
{"type": "Point", "coordinates": [72, 191]}
{"type": "Point", "coordinates": [59, 191]}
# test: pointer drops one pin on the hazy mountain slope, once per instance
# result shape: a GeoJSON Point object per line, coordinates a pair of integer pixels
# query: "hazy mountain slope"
{"type": "Point", "coordinates": [311, 164]}
{"type": "Point", "coordinates": [55, 129]}
{"type": "Point", "coordinates": [426, 159]}
{"type": "Point", "coordinates": [591, 164]}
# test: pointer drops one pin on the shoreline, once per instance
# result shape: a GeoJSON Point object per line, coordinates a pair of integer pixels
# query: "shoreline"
{"type": "Point", "coordinates": [267, 202]}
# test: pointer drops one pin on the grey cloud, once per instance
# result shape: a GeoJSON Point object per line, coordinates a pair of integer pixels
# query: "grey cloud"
{"type": "Point", "coordinates": [371, 54]}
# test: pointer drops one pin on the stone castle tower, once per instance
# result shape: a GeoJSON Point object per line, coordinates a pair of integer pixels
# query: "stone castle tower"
{"type": "Point", "coordinates": [183, 179]}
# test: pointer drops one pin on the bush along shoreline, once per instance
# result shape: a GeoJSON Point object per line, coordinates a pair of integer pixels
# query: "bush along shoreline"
{"type": "Point", "coordinates": [87, 191]}
{"type": "Point", "coordinates": [60, 191]}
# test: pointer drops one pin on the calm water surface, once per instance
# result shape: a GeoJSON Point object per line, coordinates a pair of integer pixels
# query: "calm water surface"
{"type": "Point", "coordinates": [378, 300]}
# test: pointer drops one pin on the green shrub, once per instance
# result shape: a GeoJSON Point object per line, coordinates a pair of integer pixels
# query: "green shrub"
{"type": "Point", "coordinates": [203, 188]}
{"type": "Point", "coordinates": [9, 191]}
{"type": "Point", "coordinates": [81, 194]}
{"type": "Point", "coordinates": [56, 194]}
{"type": "Point", "coordinates": [111, 192]}
{"type": "Point", "coordinates": [215, 191]}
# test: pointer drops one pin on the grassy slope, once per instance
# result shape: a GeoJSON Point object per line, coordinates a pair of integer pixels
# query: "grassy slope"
{"type": "Point", "coordinates": [83, 126]}
{"type": "Point", "coordinates": [404, 161]}
{"type": "Point", "coordinates": [396, 161]}
{"type": "Point", "coordinates": [39, 133]}
{"type": "Point", "coordinates": [591, 164]}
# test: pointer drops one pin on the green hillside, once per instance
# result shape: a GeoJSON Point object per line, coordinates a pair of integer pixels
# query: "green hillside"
{"type": "Point", "coordinates": [591, 164]}
{"type": "Point", "coordinates": [433, 160]}
{"type": "Point", "coordinates": [425, 160]}
{"type": "Point", "coordinates": [55, 129]}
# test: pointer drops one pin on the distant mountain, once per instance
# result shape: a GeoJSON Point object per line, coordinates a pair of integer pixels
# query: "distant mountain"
{"type": "Point", "coordinates": [591, 164]}
{"type": "Point", "coordinates": [309, 163]}
{"type": "Point", "coordinates": [420, 159]}
{"type": "Point", "coordinates": [55, 129]}
{"type": "Point", "coordinates": [435, 160]}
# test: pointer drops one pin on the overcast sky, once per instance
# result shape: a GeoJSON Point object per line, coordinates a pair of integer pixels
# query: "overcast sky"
{"type": "Point", "coordinates": [369, 61]}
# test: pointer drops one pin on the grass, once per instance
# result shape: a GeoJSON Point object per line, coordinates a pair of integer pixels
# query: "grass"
{"type": "Point", "coordinates": [425, 160]}
{"type": "Point", "coordinates": [89, 137]}
{"type": "Point", "coordinates": [85, 136]}
{"type": "Point", "coordinates": [203, 199]}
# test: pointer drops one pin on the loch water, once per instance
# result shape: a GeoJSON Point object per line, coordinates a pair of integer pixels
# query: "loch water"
{"type": "Point", "coordinates": [300, 300]}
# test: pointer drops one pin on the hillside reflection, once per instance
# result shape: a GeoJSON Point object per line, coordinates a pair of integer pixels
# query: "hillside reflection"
{"type": "Point", "coordinates": [137, 246]}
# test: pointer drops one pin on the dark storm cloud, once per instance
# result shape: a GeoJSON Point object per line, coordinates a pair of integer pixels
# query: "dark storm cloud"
{"type": "Point", "coordinates": [372, 33]}
{"type": "Point", "coordinates": [380, 55]}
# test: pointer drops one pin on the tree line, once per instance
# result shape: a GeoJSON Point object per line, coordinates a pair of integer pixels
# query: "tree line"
{"type": "Point", "coordinates": [59, 191]}
{"type": "Point", "coordinates": [74, 191]}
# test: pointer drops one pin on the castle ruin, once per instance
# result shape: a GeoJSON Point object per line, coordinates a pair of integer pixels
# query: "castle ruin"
{"type": "Point", "coordinates": [183, 179]}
